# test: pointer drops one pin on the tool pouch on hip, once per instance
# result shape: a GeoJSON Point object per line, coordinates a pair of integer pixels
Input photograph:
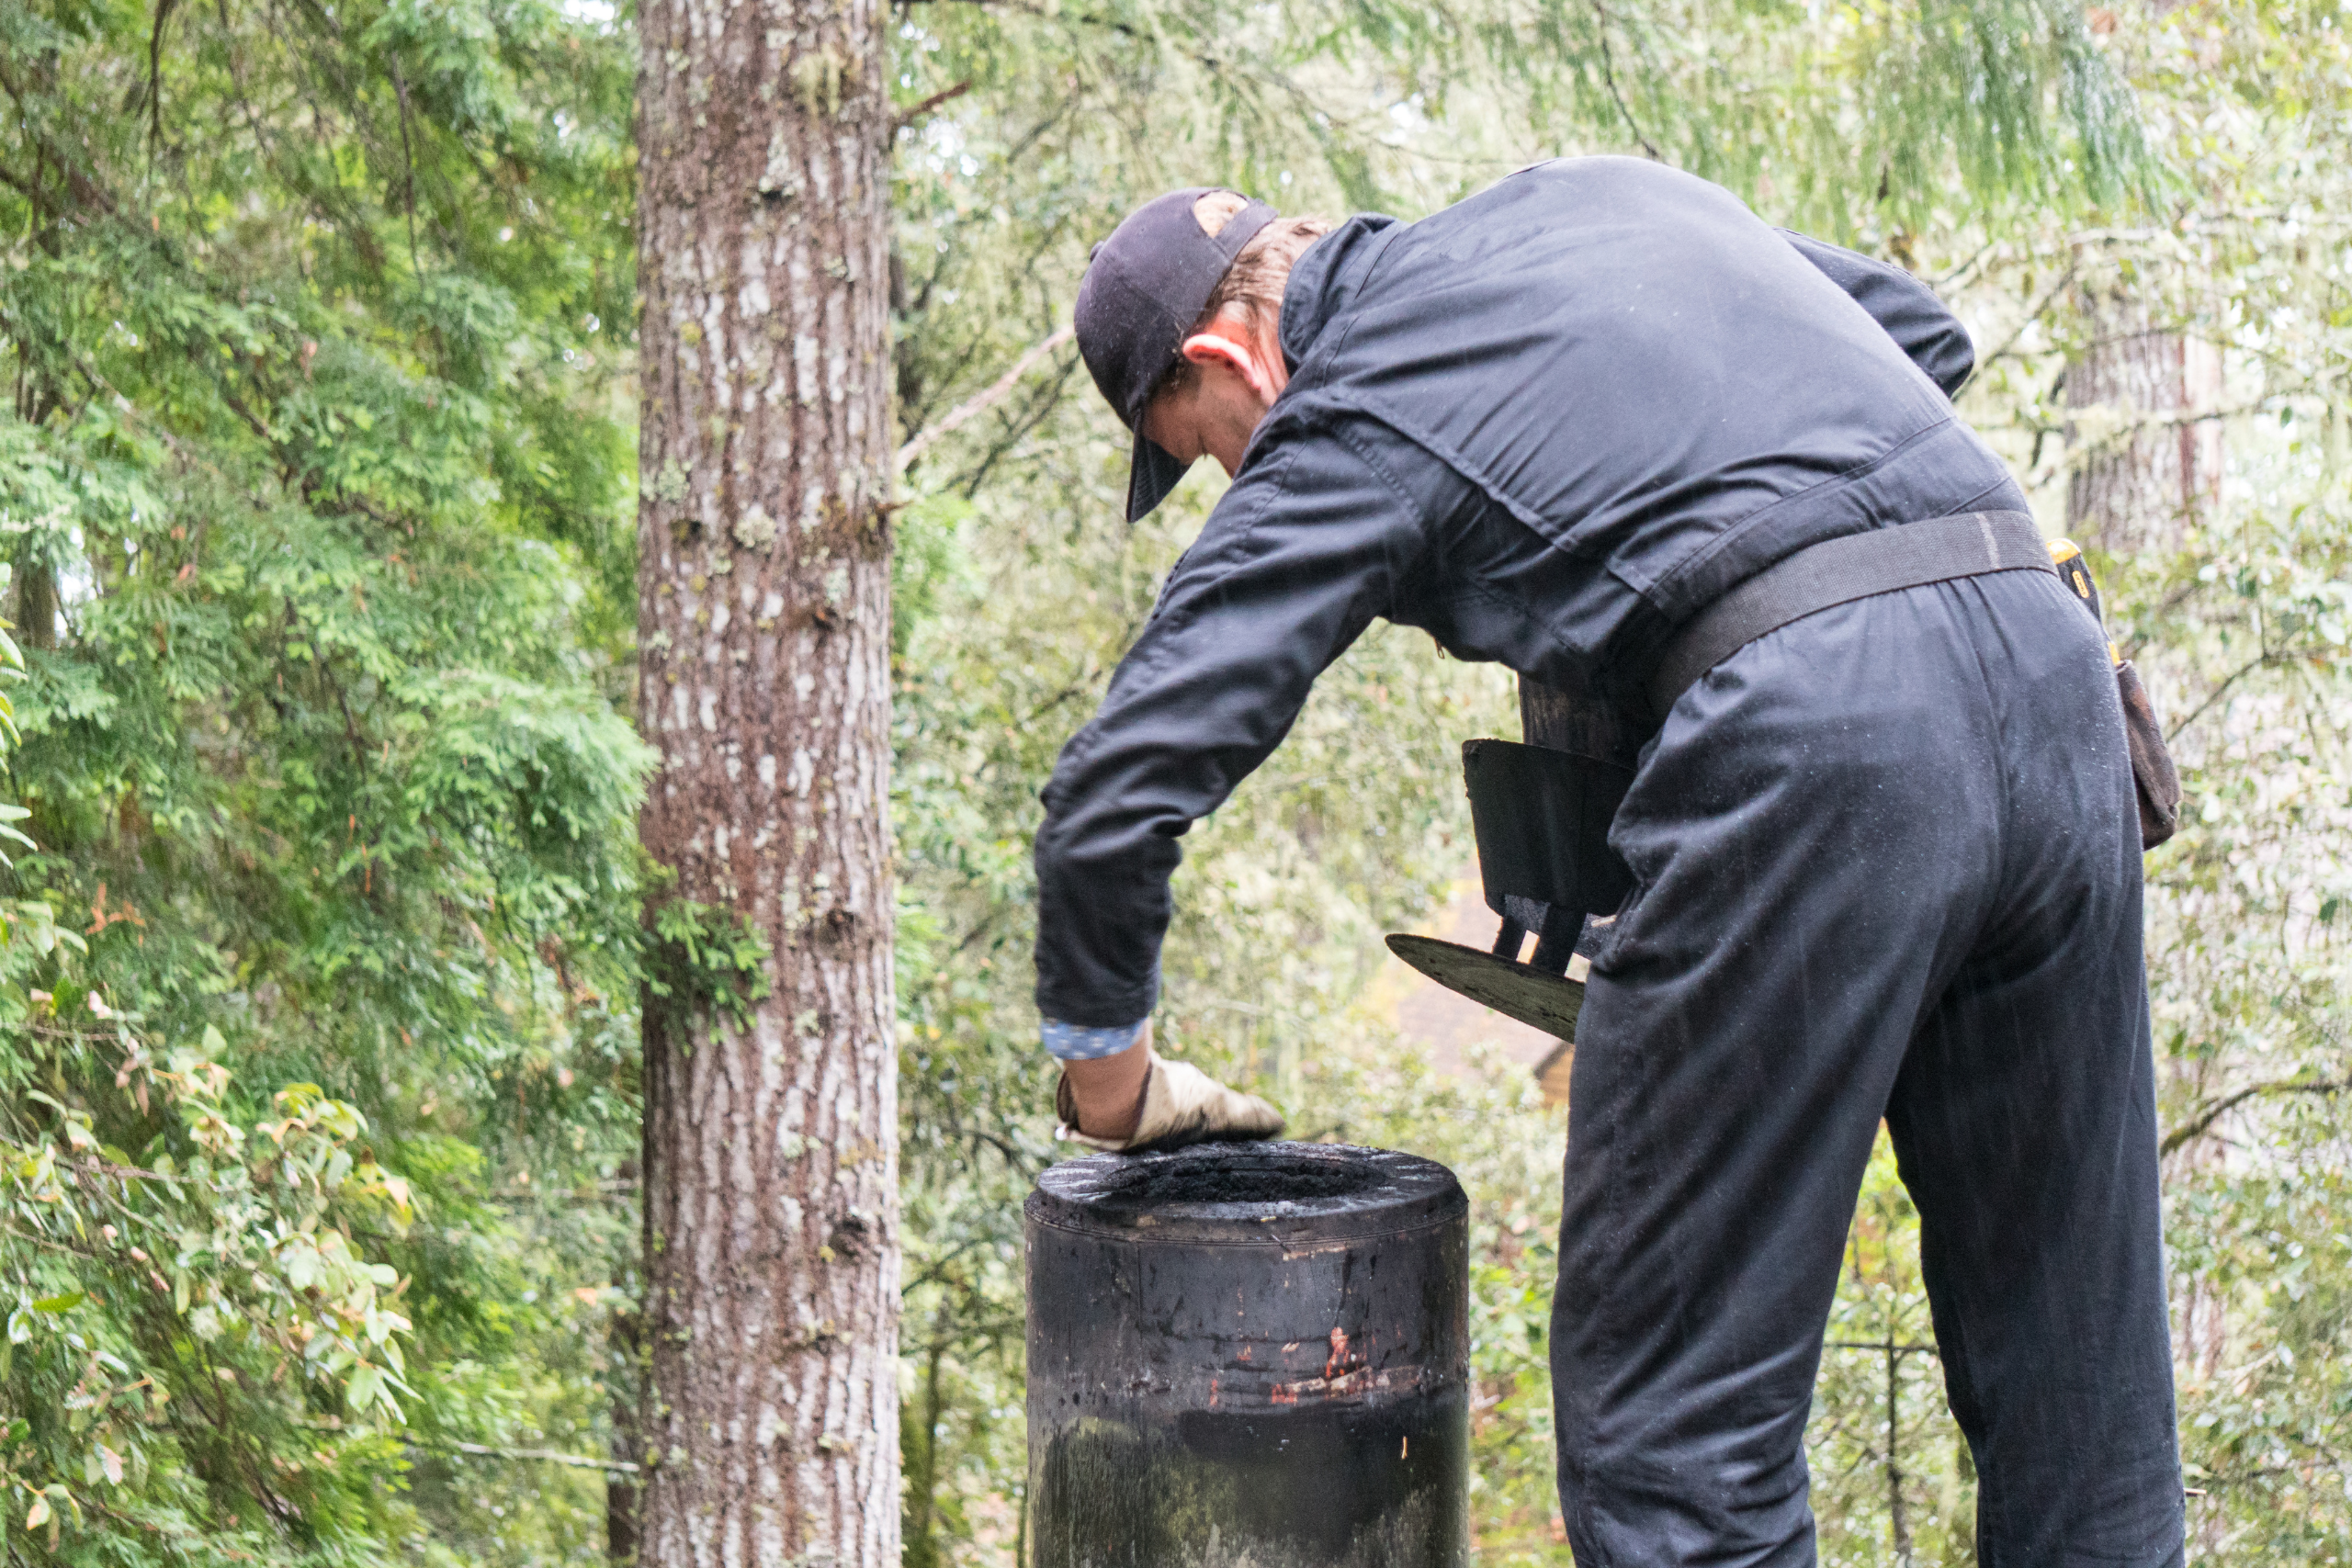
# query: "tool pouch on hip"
{"type": "Point", "coordinates": [2157, 781]}
{"type": "Point", "coordinates": [2151, 769]}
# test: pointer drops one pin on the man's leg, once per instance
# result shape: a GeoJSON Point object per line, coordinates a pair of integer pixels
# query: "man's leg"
{"type": "Point", "coordinates": [1815, 836]}
{"type": "Point", "coordinates": [2024, 1120]}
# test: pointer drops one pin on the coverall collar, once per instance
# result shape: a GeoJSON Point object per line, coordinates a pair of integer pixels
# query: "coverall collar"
{"type": "Point", "coordinates": [1324, 282]}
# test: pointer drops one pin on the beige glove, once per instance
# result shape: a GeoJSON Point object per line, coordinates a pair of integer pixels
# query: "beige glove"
{"type": "Point", "coordinates": [1181, 1105]}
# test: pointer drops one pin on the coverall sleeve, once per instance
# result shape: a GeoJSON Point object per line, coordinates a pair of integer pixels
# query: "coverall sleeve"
{"type": "Point", "coordinates": [1905, 306]}
{"type": "Point", "coordinates": [1299, 556]}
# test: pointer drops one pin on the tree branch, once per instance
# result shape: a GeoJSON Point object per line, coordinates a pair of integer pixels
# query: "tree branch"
{"type": "Point", "coordinates": [2259, 662]}
{"type": "Point", "coordinates": [1609, 79]}
{"type": "Point", "coordinates": [2033, 314]}
{"type": "Point", "coordinates": [908, 116]}
{"type": "Point", "coordinates": [981, 402]}
{"type": "Point", "coordinates": [544, 1456]}
{"type": "Point", "coordinates": [2197, 1125]}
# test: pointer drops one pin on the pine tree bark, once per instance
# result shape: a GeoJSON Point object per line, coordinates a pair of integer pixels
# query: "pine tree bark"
{"type": "Point", "coordinates": [2148, 467]}
{"type": "Point", "coordinates": [771, 1179]}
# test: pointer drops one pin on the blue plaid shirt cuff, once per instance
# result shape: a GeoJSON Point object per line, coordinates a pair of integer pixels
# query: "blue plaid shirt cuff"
{"type": "Point", "coordinates": [1072, 1042]}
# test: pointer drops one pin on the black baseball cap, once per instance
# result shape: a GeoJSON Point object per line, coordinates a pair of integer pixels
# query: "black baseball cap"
{"type": "Point", "coordinates": [1145, 288]}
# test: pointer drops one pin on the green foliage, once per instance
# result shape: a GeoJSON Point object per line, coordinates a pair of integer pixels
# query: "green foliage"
{"type": "Point", "coordinates": [324, 926]}
{"type": "Point", "coordinates": [706, 959]}
{"type": "Point", "coordinates": [217, 1268]}
{"type": "Point", "coordinates": [314, 476]}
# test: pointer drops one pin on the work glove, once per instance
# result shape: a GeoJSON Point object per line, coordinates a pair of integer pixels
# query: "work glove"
{"type": "Point", "coordinates": [1181, 1105]}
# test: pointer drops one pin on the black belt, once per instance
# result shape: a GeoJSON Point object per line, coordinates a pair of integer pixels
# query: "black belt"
{"type": "Point", "coordinates": [1837, 571]}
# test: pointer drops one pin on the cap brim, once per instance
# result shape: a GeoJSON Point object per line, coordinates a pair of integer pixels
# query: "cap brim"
{"type": "Point", "coordinates": [1151, 474]}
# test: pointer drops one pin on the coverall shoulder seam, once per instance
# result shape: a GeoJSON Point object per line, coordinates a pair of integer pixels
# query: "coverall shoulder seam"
{"type": "Point", "coordinates": [1467, 583]}
{"type": "Point", "coordinates": [1339, 432]}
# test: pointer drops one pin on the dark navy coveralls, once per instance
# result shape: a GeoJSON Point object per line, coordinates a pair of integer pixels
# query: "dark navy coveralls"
{"type": "Point", "coordinates": [1886, 858]}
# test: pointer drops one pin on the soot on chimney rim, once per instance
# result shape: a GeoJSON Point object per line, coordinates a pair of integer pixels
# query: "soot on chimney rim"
{"type": "Point", "coordinates": [1249, 1356]}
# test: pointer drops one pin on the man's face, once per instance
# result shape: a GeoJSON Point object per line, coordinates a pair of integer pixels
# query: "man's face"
{"type": "Point", "coordinates": [1213, 415]}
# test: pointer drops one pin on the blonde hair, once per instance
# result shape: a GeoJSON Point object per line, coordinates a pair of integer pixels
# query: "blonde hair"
{"type": "Point", "coordinates": [1252, 289]}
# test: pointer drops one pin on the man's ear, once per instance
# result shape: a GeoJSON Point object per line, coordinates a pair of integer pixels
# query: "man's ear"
{"type": "Point", "coordinates": [1214, 347]}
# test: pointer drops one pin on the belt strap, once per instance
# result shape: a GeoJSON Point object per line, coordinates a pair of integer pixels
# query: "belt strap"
{"type": "Point", "coordinates": [1839, 570]}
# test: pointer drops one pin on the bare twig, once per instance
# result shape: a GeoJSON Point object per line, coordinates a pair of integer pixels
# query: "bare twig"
{"type": "Point", "coordinates": [1042, 403]}
{"type": "Point", "coordinates": [2260, 661]}
{"type": "Point", "coordinates": [1609, 79]}
{"type": "Point", "coordinates": [2214, 1110]}
{"type": "Point", "coordinates": [1965, 273]}
{"type": "Point", "coordinates": [981, 401]}
{"type": "Point", "coordinates": [908, 116]}
{"type": "Point", "coordinates": [2033, 315]}
{"type": "Point", "coordinates": [544, 1456]}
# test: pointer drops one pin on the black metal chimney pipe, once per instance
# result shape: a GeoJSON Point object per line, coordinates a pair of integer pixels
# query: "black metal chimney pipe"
{"type": "Point", "coordinates": [1249, 1356]}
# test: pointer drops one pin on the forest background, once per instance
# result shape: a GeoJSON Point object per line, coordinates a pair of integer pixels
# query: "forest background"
{"type": "Point", "coordinates": [324, 916]}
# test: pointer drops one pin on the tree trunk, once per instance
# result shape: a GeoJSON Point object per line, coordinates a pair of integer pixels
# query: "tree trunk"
{"type": "Point", "coordinates": [771, 1313]}
{"type": "Point", "coordinates": [624, 1347]}
{"type": "Point", "coordinates": [1587, 726]}
{"type": "Point", "coordinates": [2149, 469]}
{"type": "Point", "coordinates": [35, 605]}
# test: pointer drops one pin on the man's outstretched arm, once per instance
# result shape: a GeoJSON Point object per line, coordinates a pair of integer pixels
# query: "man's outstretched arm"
{"type": "Point", "coordinates": [1300, 555]}
{"type": "Point", "coordinates": [1905, 306]}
